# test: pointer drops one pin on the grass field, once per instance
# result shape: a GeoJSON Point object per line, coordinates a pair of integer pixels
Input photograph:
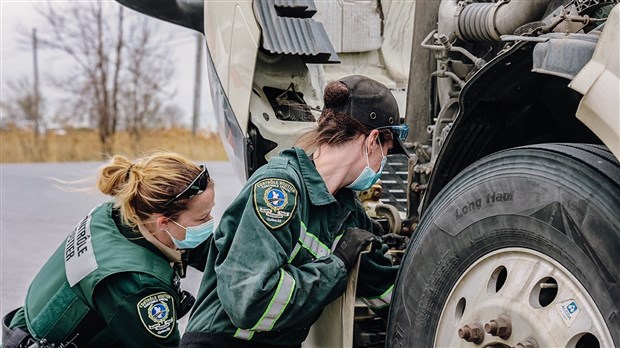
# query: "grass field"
{"type": "Point", "coordinates": [83, 145]}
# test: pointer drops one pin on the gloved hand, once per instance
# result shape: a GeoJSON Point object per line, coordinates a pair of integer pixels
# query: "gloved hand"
{"type": "Point", "coordinates": [352, 242]}
{"type": "Point", "coordinates": [395, 241]}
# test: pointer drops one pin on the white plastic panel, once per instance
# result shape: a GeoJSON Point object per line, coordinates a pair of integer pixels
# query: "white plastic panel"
{"type": "Point", "coordinates": [599, 82]}
{"type": "Point", "coordinates": [232, 36]}
{"type": "Point", "coordinates": [352, 25]}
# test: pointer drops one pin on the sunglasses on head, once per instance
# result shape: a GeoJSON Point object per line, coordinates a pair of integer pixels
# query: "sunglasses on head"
{"type": "Point", "coordinates": [400, 130]}
{"type": "Point", "coordinates": [198, 185]}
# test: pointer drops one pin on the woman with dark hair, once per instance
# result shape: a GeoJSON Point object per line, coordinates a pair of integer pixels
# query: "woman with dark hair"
{"type": "Point", "coordinates": [284, 248]}
{"type": "Point", "coordinates": [115, 280]}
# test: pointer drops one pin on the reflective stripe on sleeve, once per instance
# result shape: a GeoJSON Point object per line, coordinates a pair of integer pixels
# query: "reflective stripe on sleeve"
{"type": "Point", "coordinates": [380, 301]}
{"type": "Point", "coordinates": [312, 243]}
{"type": "Point", "coordinates": [295, 251]}
{"type": "Point", "coordinates": [244, 334]}
{"type": "Point", "coordinates": [274, 310]}
{"type": "Point", "coordinates": [335, 243]}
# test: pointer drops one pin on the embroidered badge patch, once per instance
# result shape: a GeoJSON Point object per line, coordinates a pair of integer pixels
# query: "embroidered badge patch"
{"type": "Point", "coordinates": [157, 314]}
{"type": "Point", "coordinates": [275, 201]}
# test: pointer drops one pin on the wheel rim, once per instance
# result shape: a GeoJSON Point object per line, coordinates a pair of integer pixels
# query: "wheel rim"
{"type": "Point", "coordinates": [507, 282]}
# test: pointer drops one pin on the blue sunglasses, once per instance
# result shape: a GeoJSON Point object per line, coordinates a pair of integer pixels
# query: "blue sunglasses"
{"type": "Point", "coordinates": [400, 130]}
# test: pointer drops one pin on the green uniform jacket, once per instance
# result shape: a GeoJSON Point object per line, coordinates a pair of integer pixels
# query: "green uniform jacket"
{"type": "Point", "coordinates": [108, 284]}
{"type": "Point", "coordinates": [270, 269]}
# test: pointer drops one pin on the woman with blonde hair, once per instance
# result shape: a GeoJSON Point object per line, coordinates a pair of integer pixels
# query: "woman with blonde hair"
{"type": "Point", "coordinates": [115, 280]}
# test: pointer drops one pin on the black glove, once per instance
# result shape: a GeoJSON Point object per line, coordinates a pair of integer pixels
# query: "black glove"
{"type": "Point", "coordinates": [395, 241]}
{"type": "Point", "coordinates": [352, 242]}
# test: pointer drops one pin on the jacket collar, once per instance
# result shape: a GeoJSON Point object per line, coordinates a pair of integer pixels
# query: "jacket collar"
{"type": "Point", "coordinates": [319, 195]}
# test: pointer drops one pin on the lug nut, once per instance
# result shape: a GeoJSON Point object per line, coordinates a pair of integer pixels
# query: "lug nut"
{"type": "Point", "coordinates": [501, 327]}
{"type": "Point", "coordinates": [472, 333]}
{"type": "Point", "coordinates": [528, 343]}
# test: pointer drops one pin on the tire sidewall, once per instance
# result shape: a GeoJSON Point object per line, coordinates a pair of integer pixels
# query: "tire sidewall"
{"type": "Point", "coordinates": [451, 238]}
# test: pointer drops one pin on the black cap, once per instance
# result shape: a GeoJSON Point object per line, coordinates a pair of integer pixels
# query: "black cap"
{"type": "Point", "coordinates": [371, 103]}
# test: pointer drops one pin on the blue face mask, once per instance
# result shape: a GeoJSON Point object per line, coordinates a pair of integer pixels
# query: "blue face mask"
{"type": "Point", "coordinates": [368, 177]}
{"type": "Point", "coordinates": [194, 235]}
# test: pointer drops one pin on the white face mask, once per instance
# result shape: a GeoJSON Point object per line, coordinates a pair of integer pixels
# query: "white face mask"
{"type": "Point", "coordinates": [368, 177]}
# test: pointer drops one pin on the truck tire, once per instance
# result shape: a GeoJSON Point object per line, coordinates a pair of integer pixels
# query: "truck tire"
{"type": "Point", "coordinates": [522, 247]}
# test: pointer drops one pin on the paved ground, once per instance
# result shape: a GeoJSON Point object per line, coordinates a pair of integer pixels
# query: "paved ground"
{"type": "Point", "coordinates": [39, 207]}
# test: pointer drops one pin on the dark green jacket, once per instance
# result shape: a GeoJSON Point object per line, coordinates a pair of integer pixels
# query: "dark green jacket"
{"type": "Point", "coordinates": [106, 283]}
{"type": "Point", "coordinates": [270, 270]}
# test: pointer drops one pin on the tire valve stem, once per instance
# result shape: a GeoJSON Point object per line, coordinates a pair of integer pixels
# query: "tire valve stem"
{"type": "Point", "coordinates": [501, 327]}
{"type": "Point", "coordinates": [472, 333]}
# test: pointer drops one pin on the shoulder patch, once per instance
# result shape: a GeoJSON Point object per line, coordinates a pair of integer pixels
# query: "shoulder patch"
{"type": "Point", "coordinates": [275, 201]}
{"type": "Point", "coordinates": [157, 314]}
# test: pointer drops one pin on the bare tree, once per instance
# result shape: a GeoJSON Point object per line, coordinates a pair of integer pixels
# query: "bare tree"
{"type": "Point", "coordinates": [22, 107]}
{"type": "Point", "coordinates": [170, 117]}
{"type": "Point", "coordinates": [114, 56]}
{"type": "Point", "coordinates": [146, 79]}
{"type": "Point", "coordinates": [21, 104]}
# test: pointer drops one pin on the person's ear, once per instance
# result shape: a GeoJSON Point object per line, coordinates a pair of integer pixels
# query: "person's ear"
{"type": "Point", "coordinates": [373, 141]}
{"type": "Point", "coordinates": [162, 222]}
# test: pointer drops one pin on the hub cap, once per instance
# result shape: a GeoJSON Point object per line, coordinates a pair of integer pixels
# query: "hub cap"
{"type": "Point", "coordinates": [544, 303]}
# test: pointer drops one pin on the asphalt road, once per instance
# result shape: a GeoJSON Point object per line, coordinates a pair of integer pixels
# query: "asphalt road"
{"type": "Point", "coordinates": [41, 203]}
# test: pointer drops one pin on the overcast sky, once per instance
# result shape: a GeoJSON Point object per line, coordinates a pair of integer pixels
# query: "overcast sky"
{"type": "Point", "coordinates": [16, 59]}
